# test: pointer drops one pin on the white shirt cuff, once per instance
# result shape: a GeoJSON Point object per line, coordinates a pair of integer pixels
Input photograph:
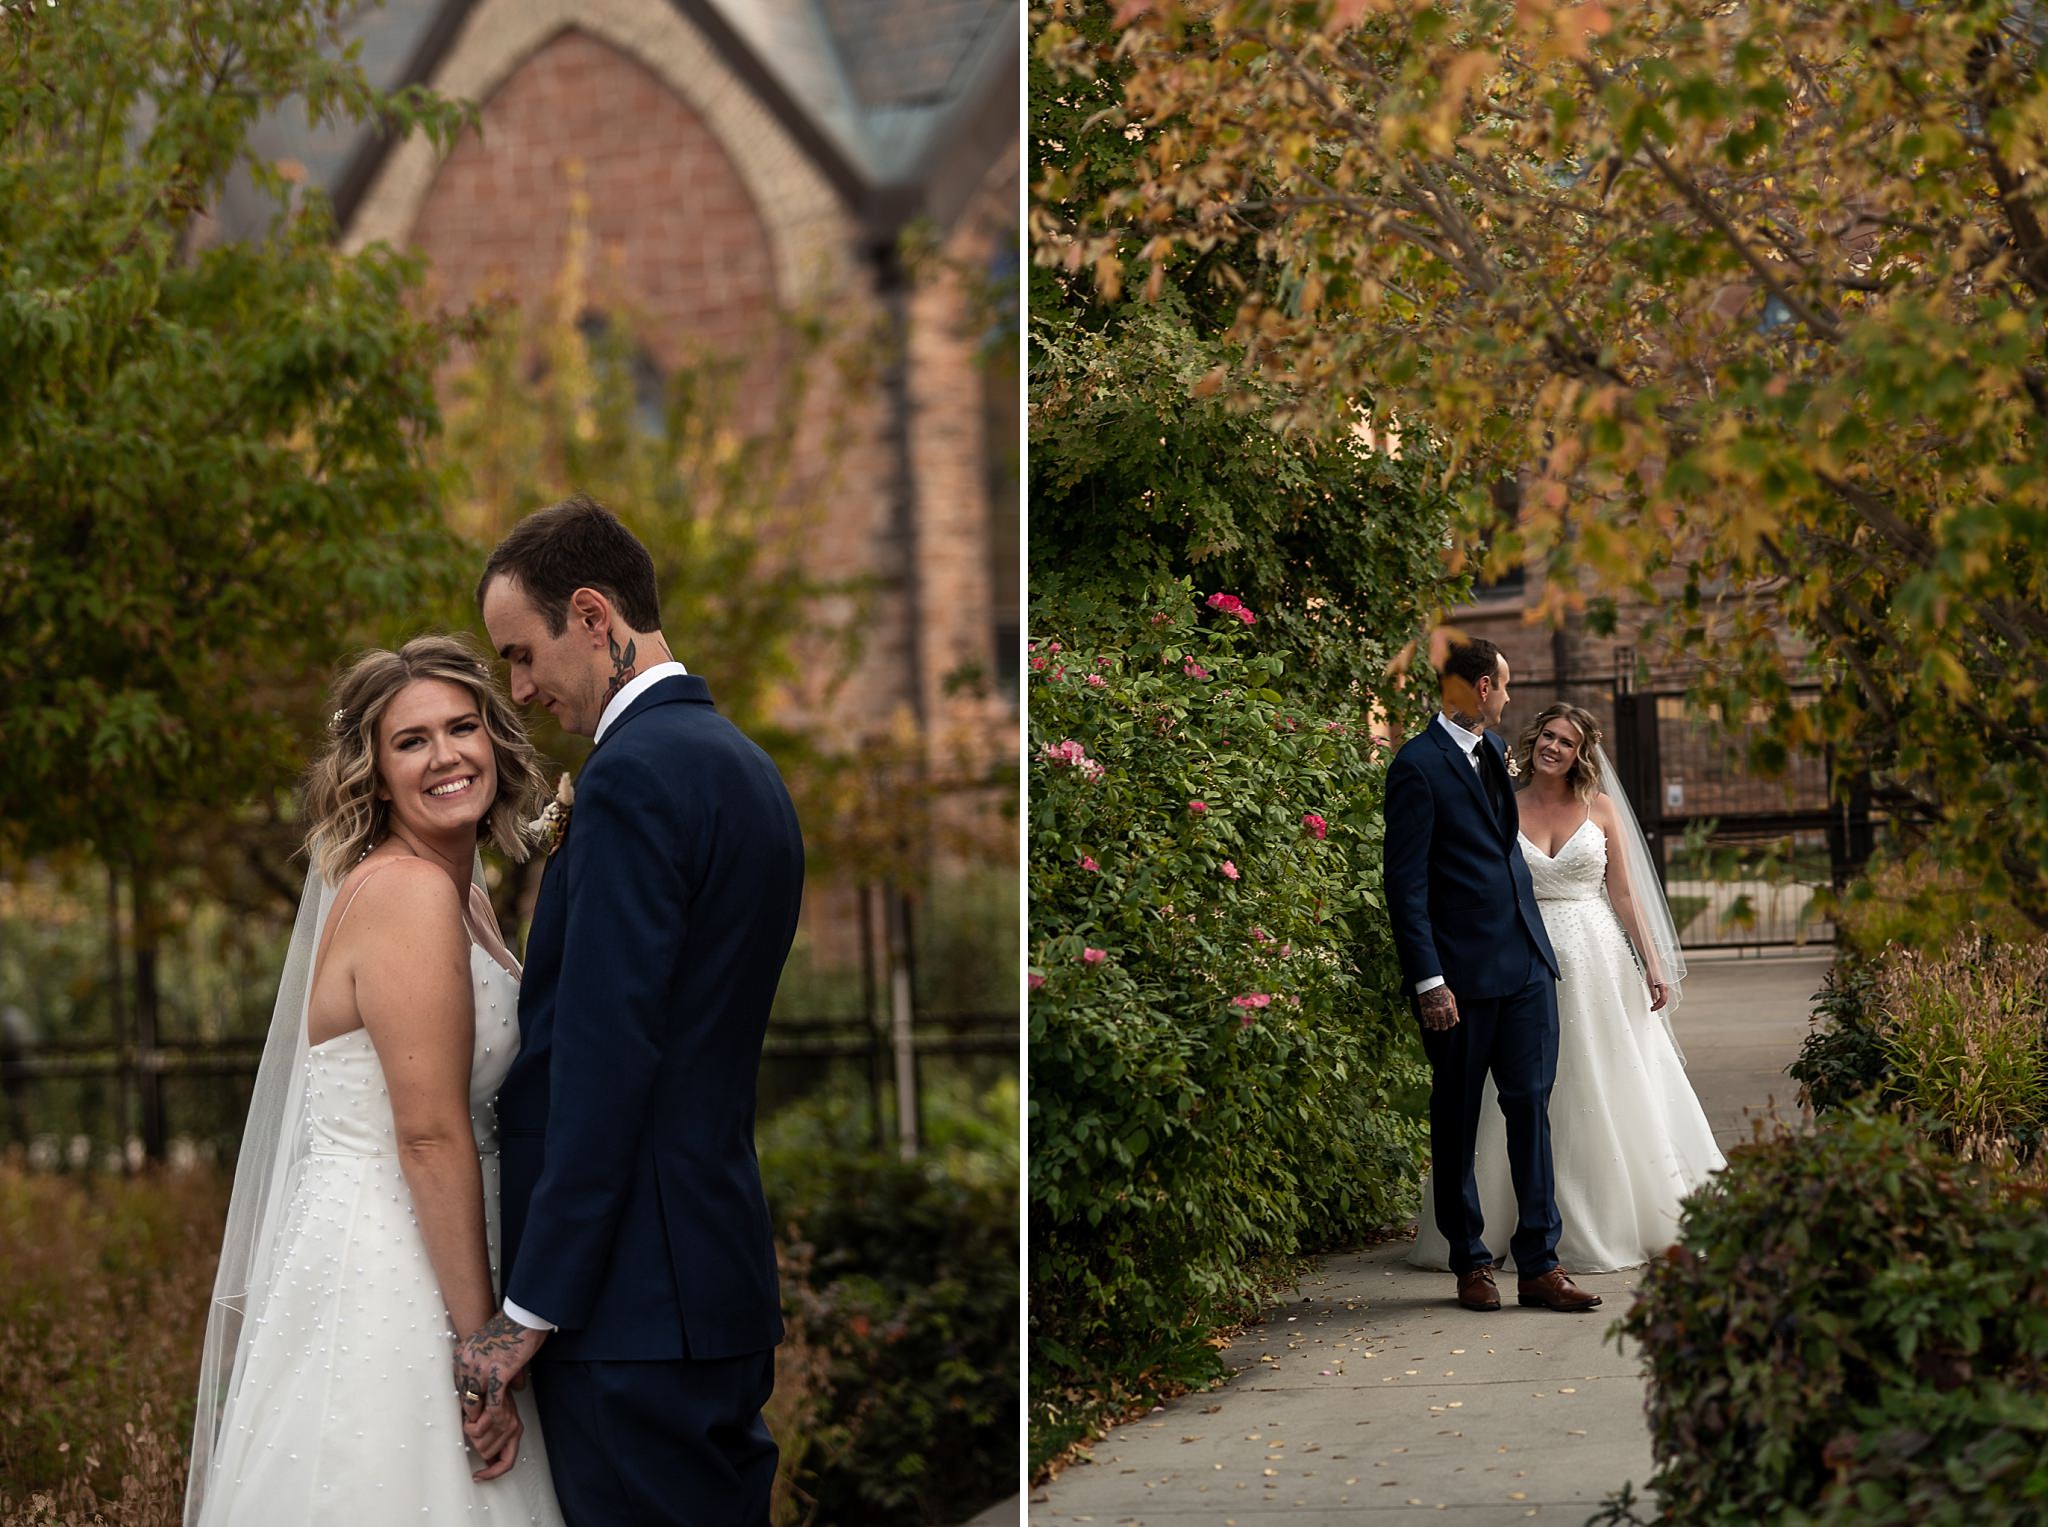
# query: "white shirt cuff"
{"type": "Point", "coordinates": [1431, 983]}
{"type": "Point", "coordinates": [527, 1318]}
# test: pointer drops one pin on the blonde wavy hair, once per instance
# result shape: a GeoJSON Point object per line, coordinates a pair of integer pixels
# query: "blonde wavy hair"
{"type": "Point", "coordinates": [338, 801]}
{"type": "Point", "coordinates": [1583, 777]}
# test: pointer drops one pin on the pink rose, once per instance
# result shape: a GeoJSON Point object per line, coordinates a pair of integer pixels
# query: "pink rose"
{"type": "Point", "coordinates": [1096, 681]}
{"type": "Point", "coordinates": [1229, 870]}
{"type": "Point", "coordinates": [1228, 603]}
{"type": "Point", "coordinates": [1070, 754]}
{"type": "Point", "coordinates": [1198, 807]}
{"type": "Point", "coordinates": [1088, 863]}
{"type": "Point", "coordinates": [1035, 980]}
{"type": "Point", "coordinates": [1058, 674]}
{"type": "Point", "coordinates": [1194, 670]}
{"type": "Point", "coordinates": [1038, 665]}
{"type": "Point", "coordinates": [1091, 956]}
{"type": "Point", "coordinates": [1259, 934]}
{"type": "Point", "coordinates": [1102, 662]}
{"type": "Point", "coordinates": [1245, 615]}
{"type": "Point", "coordinates": [1286, 950]}
{"type": "Point", "coordinates": [1252, 999]}
{"type": "Point", "coordinates": [1317, 827]}
{"type": "Point", "coordinates": [1053, 647]}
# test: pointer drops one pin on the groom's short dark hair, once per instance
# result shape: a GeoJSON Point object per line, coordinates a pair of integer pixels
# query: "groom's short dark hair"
{"type": "Point", "coordinates": [1473, 659]}
{"type": "Point", "coordinates": [573, 545]}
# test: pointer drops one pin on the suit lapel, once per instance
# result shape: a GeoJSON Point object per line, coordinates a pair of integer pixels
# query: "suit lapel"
{"type": "Point", "coordinates": [1456, 761]}
{"type": "Point", "coordinates": [1509, 815]}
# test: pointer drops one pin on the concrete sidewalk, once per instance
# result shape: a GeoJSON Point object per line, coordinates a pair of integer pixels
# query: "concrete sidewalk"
{"type": "Point", "coordinates": [1370, 1395]}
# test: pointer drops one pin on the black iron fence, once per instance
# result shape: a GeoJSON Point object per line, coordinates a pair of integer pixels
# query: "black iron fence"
{"type": "Point", "coordinates": [106, 1103]}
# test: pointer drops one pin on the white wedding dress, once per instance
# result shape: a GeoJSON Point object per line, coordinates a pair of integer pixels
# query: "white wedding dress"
{"type": "Point", "coordinates": [1628, 1139]}
{"type": "Point", "coordinates": [342, 1411]}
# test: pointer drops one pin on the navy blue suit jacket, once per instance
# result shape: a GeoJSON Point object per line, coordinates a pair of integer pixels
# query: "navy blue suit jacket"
{"type": "Point", "coordinates": [633, 1212]}
{"type": "Point", "coordinates": [1458, 890]}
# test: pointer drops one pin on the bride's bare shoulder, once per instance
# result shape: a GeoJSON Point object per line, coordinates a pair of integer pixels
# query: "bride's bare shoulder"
{"type": "Point", "coordinates": [401, 891]}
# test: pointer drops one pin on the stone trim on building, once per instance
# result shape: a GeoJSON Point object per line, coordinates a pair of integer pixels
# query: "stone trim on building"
{"type": "Point", "coordinates": [810, 230]}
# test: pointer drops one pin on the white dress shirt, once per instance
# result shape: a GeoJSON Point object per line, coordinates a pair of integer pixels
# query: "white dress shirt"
{"type": "Point", "coordinates": [1469, 741]}
{"type": "Point", "coordinates": [616, 708]}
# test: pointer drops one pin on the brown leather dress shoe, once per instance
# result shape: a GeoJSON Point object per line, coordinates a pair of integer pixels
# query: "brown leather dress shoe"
{"type": "Point", "coordinates": [1476, 1289]}
{"type": "Point", "coordinates": [1555, 1291]}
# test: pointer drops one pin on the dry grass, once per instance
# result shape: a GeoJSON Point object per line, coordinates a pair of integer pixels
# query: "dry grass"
{"type": "Point", "coordinates": [1966, 1031]}
{"type": "Point", "coordinates": [104, 1283]}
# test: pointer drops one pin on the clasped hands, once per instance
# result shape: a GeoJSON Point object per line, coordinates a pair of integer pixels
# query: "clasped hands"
{"type": "Point", "coordinates": [490, 1363]}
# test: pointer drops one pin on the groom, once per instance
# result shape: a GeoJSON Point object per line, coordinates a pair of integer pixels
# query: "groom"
{"type": "Point", "coordinates": [1474, 952]}
{"type": "Point", "coordinates": [639, 1267]}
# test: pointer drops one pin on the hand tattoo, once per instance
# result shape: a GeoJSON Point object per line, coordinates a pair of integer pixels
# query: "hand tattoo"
{"type": "Point", "coordinates": [622, 668]}
{"type": "Point", "coordinates": [491, 1357]}
{"type": "Point", "coordinates": [1439, 1008]}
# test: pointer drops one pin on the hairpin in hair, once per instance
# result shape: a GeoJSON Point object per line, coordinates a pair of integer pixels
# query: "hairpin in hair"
{"type": "Point", "coordinates": [334, 721]}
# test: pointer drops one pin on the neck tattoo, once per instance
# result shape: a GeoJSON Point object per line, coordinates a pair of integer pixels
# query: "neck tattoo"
{"type": "Point", "coordinates": [1468, 721]}
{"type": "Point", "coordinates": [622, 670]}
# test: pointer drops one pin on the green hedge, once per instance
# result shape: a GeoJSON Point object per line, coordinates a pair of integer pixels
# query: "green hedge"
{"type": "Point", "coordinates": [900, 1278]}
{"type": "Point", "coordinates": [1223, 1071]}
{"type": "Point", "coordinates": [1853, 1329]}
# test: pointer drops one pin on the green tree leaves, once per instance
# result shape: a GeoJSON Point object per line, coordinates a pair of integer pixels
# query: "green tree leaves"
{"type": "Point", "coordinates": [210, 458]}
{"type": "Point", "coordinates": [1752, 301]}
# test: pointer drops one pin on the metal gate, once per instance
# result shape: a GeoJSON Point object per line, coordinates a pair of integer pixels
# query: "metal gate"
{"type": "Point", "coordinates": [1744, 858]}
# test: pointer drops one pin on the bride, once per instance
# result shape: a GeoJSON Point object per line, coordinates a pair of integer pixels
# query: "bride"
{"type": "Point", "coordinates": [362, 1233]}
{"type": "Point", "coordinates": [1628, 1137]}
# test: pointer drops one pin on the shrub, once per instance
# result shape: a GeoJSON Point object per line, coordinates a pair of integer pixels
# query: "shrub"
{"type": "Point", "coordinates": [1223, 1069]}
{"type": "Point", "coordinates": [1910, 903]}
{"type": "Point", "coordinates": [1853, 1329]}
{"type": "Point", "coordinates": [1843, 1056]}
{"type": "Point", "coordinates": [903, 1275]}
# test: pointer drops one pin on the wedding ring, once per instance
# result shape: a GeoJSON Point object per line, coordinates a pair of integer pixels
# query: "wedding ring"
{"type": "Point", "coordinates": [472, 1394]}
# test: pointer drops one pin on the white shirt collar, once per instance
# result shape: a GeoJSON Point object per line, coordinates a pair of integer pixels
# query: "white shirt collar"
{"type": "Point", "coordinates": [1469, 741]}
{"type": "Point", "coordinates": [635, 688]}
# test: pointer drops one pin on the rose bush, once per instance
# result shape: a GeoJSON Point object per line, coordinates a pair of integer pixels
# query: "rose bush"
{"type": "Point", "coordinates": [1223, 1069]}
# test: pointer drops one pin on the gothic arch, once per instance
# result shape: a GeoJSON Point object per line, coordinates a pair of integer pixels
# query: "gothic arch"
{"type": "Point", "coordinates": [808, 227]}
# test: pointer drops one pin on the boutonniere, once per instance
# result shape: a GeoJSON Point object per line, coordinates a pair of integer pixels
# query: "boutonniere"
{"type": "Point", "coordinates": [1514, 767]}
{"type": "Point", "coordinates": [552, 825]}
